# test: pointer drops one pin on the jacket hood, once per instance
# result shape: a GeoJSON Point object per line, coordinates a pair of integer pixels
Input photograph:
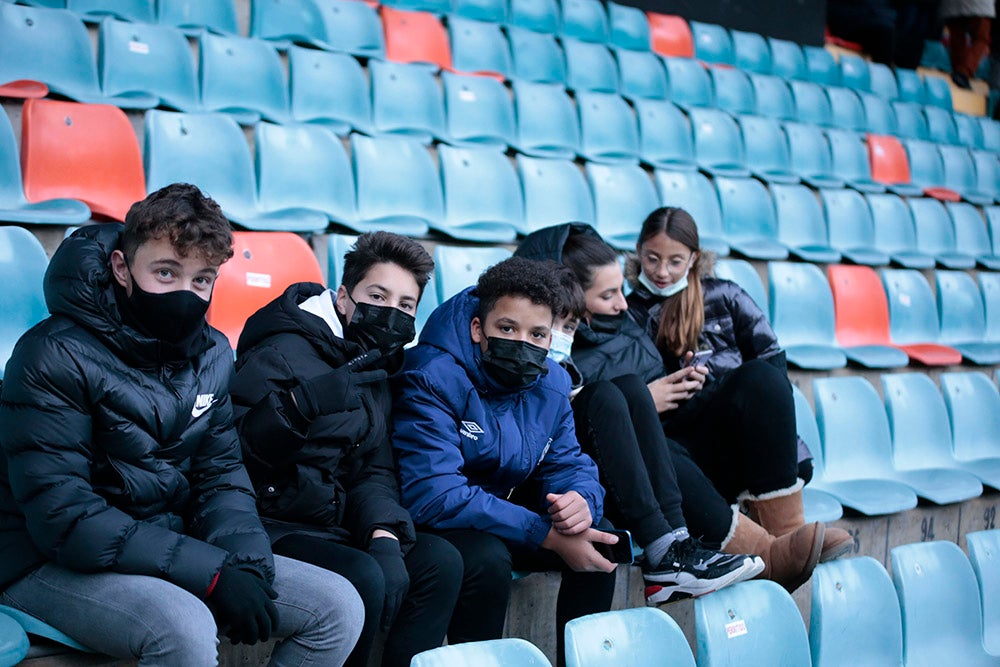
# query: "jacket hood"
{"type": "Point", "coordinates": [548, 242]}
{"type": "Point", "coordinates": [447, 329]}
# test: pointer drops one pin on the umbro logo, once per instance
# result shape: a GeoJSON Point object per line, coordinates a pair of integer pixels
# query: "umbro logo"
{"type": "Point", "coordinates": [201, 405]}
{"type": "Point", "coordinates": [471, 430]}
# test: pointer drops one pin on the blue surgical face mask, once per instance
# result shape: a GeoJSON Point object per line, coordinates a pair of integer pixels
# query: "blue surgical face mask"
{"type": "Point", "coordinates": [671, 289]}
{"type": "Point", "coordinates": [560, 347]}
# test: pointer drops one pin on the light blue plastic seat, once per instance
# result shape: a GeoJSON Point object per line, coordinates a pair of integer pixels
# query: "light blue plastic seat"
{"type": "Point", "coordinates": [987, 173]}
{"type": "Point", "coordinates": [883, 81]}
{"type": "Point", "coordinates": [690, 85]}
{"type": "Point", "coordinates": [846, 110]}
{"type": "Point", "coordinates": [304, 167]}
{"type": "Point", "coordinates": [547, 122]}
{"type": "Point", "coordinates": [974, 410]}
{"type": "Point", "coordinates": [733, 91]}
{"type": "Point", "coordinates": [39, 628]}
{"type": "Point", "coordinates": [14, 642]}
{"type": "Point", "coordinates": [751, 52]}
{"type": "Point", "coordinates": [851, 228]}
{"type": "Point", "coordinates": [589, 67]}
{"type": "Point", "coordinates": [608, 130]}
{"type": "Point", "coordinates": [491, 653]}
{"type": "Point", "coordinates": [910, 85]}
{"type": "Point", "coordinates": [766, 149]}
{"type": "Point", "coordinates": [993, 224]}
{"type": "Point", "coordinates": [854, 73]}
{"type": "Point", "coordinates": [817, 505]}
{"type": "Point", "coordinates": [810, 156]}
{"type": "Point", "coordinates": [352, 27]}
{"type": "Point", "coordinates": [193, 15]}
{"type": "Point", "coordinates": [880, 118]}
{"type": "Point", "coordinates": [623, 197]}
{"type": "Point", "coordinates": [971, 236]}
{"type": "Point", "coordinates": [398, 185]}
{"type": "Point", "coordinates": [482, 195]}
{"type": "Point", "coordinates": [330, 89]}
{"type": "Point", "coordinates": [712, 43]}
{"type": "Point", "coordinates": [821, 66]}
{"type": "Point", "coordinates": [772, 97]}
{"type": "Point", "coordinates": [284, 21]}
{"type": "Point", "coordinates": [854, 598]}
{"type": "Point", "coordinates": [22, 267]}
{"type": "Point", "coordinates": [937, 92]}
{"type": "Point", "coordinates": [555, 191]}
{"type": "Point", "coordinates": [536, 56]}
{"type": "Point", "coordinates": [406, 100]}
{"type": "Point", "coordinates": [639, 636]}
{"type": "Point", "coordinates": [963, 317]}
{"type": "Point", "coordinates": [718, 143]}
{"type": "Point", "coordinates": [749, 219]}
{"type": "Point", "coordinates": [939, 600]}
{"type": "Point", "coordinates": [433, 6]}
{"type": "Point", "coordinates": [458, 267]}
{"type": "Point", "coordinates": [750, 624]}
{"type": "Point", "coordinates": [585, 20]}
{"type": "Point", "coordinates": [694, 193]}
{"type": "Point", "coordinates": [927, 169]}
{"type": "Point", "coordinates": [936, 234]}
{"type": "Point", "coordinates": [140, 11]}
{"type": "Point", "coordinates": [935, 55]}
{"type": "Point", "coordinates": [910, 120]}
{"type": "Point", "coordinates": [941, 127]}
{"type": "Point", "coordinates": [801, 225]}
{"type": "Point", "coordinates": [984, 554]}
{"type": "Point", "coordinates": [143, 60]}
{"type": "Point", "coordinates": [802, 315]}
{"type": "Point", "coordinates": [895, 234]}
{"type": "Point", "coordinates": [857, 450]}
{"type": "Point", "coordinates": [534, 15]}
{"type": "Point", "coordinates": [242, 77]}
{"type": "Point", "coordinates": [991, 134]}
{"type": "Point", "coordinates": [629, 28]}
{"type": "Point", "coordinates": [477, 46]}
{"type": "Point", "coordinates": [913, 318]}
{"type": "Point", "coordinates": [490, 11]}
{"type": "Point", "coordinates": [641, 75]}
{"type": "Point", "coordinates": [14, 207]}
{"type": "Point", "coordinates": [921, 441]}
{"type": "Point", "coordinates": [850, 160]}
{"type": "Point", "coordinates": [745, 275]}
{"type": "Point", "coordinates": [787, 59]}
{"type": "Point", "coordinates": [960, 175]}
{"type": "Point", "coordinates": [812, 106]}
{"type": "Point", "coordinates": [664, 135]}
{"type": "Point", "coordinates": [479, 109]}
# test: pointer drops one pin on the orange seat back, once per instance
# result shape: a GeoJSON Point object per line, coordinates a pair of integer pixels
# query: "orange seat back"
{"type": "Point", "coordinates": [415, 37]}
{"type": "Point", "coordinates": [262, 266]}
{"type": "Point", "coordinates": [889, 163]}
{"type": "Point", "coordinates": [860, 305]}
{"type": "Point", "coordinates": [670, 35]}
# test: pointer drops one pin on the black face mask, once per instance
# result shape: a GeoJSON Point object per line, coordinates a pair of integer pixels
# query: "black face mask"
{"type": "Point", "coordinates": [380, 328]}
{"type": "Point", "coordinates": [611, 324]}
{"type": "Point", "coordinates": [171, 316]}
{"type": "Point", "coordinates": [514, 363]}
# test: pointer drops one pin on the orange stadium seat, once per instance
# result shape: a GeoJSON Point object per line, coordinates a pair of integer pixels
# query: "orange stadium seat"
{"type": "Point", "coordinates": [890, 165]}
{"type": "Point", "coordinates": [415, 37]}
{"type": "Point", "coordinates": [862, 317]}
{"type": "Point", "coordinates": [670, 35]}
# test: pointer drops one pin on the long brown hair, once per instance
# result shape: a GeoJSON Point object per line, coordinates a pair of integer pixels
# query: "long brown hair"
{"type": "Point", "coordinates": [682, 315]}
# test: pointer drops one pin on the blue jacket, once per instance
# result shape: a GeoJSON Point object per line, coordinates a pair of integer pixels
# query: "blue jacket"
{"type": "Point", "coordinates": [464, 443]}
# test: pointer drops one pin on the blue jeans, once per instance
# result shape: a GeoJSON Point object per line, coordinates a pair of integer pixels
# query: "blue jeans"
{"type": "Point", "coordinates": [157, 623]}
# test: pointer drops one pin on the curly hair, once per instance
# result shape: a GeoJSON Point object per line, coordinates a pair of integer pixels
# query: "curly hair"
{"type": "Point", "coordinates": [519, 277]}
{"type": "Point", "coordinates": [181, 213]}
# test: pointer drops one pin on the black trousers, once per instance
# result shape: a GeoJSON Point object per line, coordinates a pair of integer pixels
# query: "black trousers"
{"type": "Point", "coordinates": [435, 570]}
{"type": "Point", "coordinates": [488, 560]}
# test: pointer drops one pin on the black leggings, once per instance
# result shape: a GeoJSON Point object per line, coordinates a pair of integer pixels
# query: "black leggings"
{"type": "Point", "coordinates": [435, 569]}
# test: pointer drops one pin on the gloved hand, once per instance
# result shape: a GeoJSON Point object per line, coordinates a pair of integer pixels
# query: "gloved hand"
{"type": "Point", "coordinates": [241, 603]}
{"type": "Point", "coordinates": [385, 551]}
{"type": "Point", "coordinates": [336, 391]}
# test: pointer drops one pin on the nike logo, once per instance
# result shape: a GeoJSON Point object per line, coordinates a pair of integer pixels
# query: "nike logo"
{"type": "Point", "coordinates": [201, 405]}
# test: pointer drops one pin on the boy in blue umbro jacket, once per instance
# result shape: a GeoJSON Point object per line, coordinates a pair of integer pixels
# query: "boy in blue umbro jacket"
{"type": "Point", "coordinates": [487, 450]}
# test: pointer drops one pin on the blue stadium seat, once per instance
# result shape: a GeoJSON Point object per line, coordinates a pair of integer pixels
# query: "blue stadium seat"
{"type": "Point", "coordinates": [963, 318]}
{"type": "Point", "coordinates": [855, 598]}
{"type": "Point", "coordinates": [22, 267]}
{"type": "Point", "coordinates": [751, 52]}
{"type": "Point", "coordinates": [910, 120]}
{"type": "Point", "coordinates": [242, 77]}
{"type": "Point", "coordinates": [38, 628]}
{"type": "Point", "coordinates": [753, 623]}
{"type": "Point", "coordinates": [913, 318]}
{"type": "Point", "coordinates": [847, 111]}
{"type": "Point", "coordinates": [480, 47]}
{"type": "Point", "coordinates": [850, 160]}
{"type": "Point", "coordinates": [745, 275]}
{"type": "Point", "coordinates": [883, 81]}
{"type": "Point", "coordinates": [536, 56]}
{"type": "Point", "coordinates": [712, 43]}
{"type": "Point", "coordinates": [432, 6]}
{"type": "Point", "coordinates": [398, 185]}
{"type": "Point", "coordinates": [547, 123]}
{"type": "Point", "coordinates": [941, 127]}
{"type": "Point", "coordinates": [971, 236]}
{"type": "Point", "coordinates": [304, 167]}
{"type": "Point", "coordinates": [589, 67]}
{"type": "Point", "coordinates": [718, 144]}
{"type": "Point", "coordinates": [140, 11]}
{"type": "Point", "coordinates": [818, 505]}
{"type": "Point", "coordinates": [629, 28]}
{"type": "Point", "coordinates": [993, 223]}
{"type": "Point", "coordinates": [987, 173]}
{"type": "Point", "coordinates": [584, 20]}
{"type": "Point", "coordinates": [490, 11]}
{"type": "Point", "coordinates": [880, 118]}
{"type": "Point", "coordinates": [534, 15]}
{"type": "Point", "coordinates": [329, 88]}
{"type": "Point", "coordinates": [337, 246]}
{"type": "Point", "coordinates": [14, 642]}
{"type": "Point", "coordinates": [801, 225]}
{"type": "Point", "coordinates": [664, 135]}
{"type": "Point", "coordinates": [821, 65]}
{"type": "Point", "coordinates": [802, 315]}
{"type": "Point", "coordinates": [937, 92]}
{"type": "Point", "coordinates": [921, 441]}
{"type": "Point", "coordinates": [494, 652]}
{"type": "Point", "coordinates": [641, 75]}
{"type": "Point", "coordinates": [854, 73]}
{"type": "Point", "coordinates": [623, 196]}
{"type": "Point", "coordinates": [695, 194]}
{"type": "Point", "coordinates": [857, 450]}
{"type": "Point", "coordinates": [194, 15]}
{"type": "Point", "coordinates": [555, 191]}
{"type": "Point", "coordinates": [939, 600]}
{"type": "Point", "coordinates": [984, 554]}
{"type": "Point", "coordinates": [458, 267]}
{"type": "Point", "coordinates": [690, 85]}
{"type": "Point", "coordinates": [773, 97]}
{"type": "Point", "coordinates": [639, 636]}
{"type": "Point", "coordinates": [991, 134]}
{"type": "Point", "coordinates": [211, 151]}
{"type": "Point", "coordinates": [482, 195]}
{"type": "Point", "coordinates": [851, 227]}
{"type": "Point", "coordinates": [353, 27]}
{"type": "Point", "coordinates": [284, 21]}
{"type": "Point", "coordinates": [608, 130]}
{"type": "Point", "coordinates": [974, 408]}
{"type": "Point", "coordinates": [733, 91]}
{"type": "Point", "coordinates": [479, 111]}
{"type": "Point", "coordinates": [749, 219]}
{"type": "Point", "coordinates": [812, 106]}
{"type": "Point", "coordinates": [936, 234]}
{"type": "Point", "coordinates": [910, 85]}
{"type": "Point", "coordinates": [960, 175]}
{"type": "Point", "coordinates": [406, 101]}
{"type": "Point", "coordinates": [787, 59]}
{"type": "Point", "coordinates": [810, 156]}
{"type": "Point", "coordinates": [927, 169]}
{"type": "Point", "coordinates": [766, 149]}
{"type": "Point", "coordinates": [895, 233]}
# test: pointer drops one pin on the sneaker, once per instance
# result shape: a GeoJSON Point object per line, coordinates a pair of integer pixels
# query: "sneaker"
{"type": "Point", "coordinates": [689, 569]}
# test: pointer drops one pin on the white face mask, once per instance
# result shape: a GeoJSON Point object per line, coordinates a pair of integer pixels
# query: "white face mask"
{"type": "Point", "coordinates": [560, 347]}
{"type": "Point", "coordinates": [669, 290]}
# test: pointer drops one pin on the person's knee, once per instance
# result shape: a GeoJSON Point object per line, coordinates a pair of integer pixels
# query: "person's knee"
{"type": "Point", "coordinates": [182, 632]}
{"type": "Point", "coordinates": [632, 388]}
{"type": "Point", "coordinates": [765, 383]}
{"type": "Point", "coordinates": [437, 564]}
{"type": "Point", "coordinates": [334, 611]}
{"type": "Point", "coordinates": [605, 398]}
{"type": "Point", "coordinates": [367, 578]}
{"type": "Point", "coordinates": [486, 562]}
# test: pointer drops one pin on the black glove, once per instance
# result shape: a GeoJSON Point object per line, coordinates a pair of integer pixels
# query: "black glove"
{"type": "Point", "coordinates": [385, 551]}
{"type": "Point", "coordinates": [336, 391]}
{"type": "Point", "coordinates": [241, 602]}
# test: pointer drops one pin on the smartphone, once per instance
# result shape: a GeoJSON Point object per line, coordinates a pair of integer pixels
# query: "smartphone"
{"type": "Point", "coordinates": [621, 551]}
{"type": "Point", "coordinates": [700, 358]}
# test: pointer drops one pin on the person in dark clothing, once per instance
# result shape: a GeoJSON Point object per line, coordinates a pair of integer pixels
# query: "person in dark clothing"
{"type": "Point", "coordinates": [487, 451]}
{"type": "Point", "coordinates": [313, 405]}
{"type": "Point", "coordinates": [969, 25]}
{"type": "Point", "coordinates": [127, 520]}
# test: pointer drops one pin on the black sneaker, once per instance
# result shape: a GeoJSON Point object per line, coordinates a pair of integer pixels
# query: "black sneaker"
{"type": "Point", "coordinates": [689, 569]}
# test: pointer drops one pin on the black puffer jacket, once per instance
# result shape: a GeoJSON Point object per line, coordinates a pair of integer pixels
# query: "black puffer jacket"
{"type": "Point", "coordinates": [335, 476]}
{"type": "Point", "coordinates": [115, 459]}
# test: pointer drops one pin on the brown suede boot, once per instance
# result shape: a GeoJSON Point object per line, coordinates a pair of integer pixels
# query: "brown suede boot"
{"type": "Point", "coordinates": [780, 513]}
{"type": "Point", "coordinates": [788, 560]}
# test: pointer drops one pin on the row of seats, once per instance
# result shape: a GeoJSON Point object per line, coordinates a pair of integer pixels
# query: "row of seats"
{"type": "Point", "coordinates": [215, 15]}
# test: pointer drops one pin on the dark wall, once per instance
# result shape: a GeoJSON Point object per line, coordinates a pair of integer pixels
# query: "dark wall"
{"type": "Point", "coordinates": [801, 21]}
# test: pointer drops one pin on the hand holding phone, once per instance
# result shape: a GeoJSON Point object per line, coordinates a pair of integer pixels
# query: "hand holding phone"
{"type": "Point", "coordinates": [699, 358]}
{"type": "Point", "coordinates": [619, 552]}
